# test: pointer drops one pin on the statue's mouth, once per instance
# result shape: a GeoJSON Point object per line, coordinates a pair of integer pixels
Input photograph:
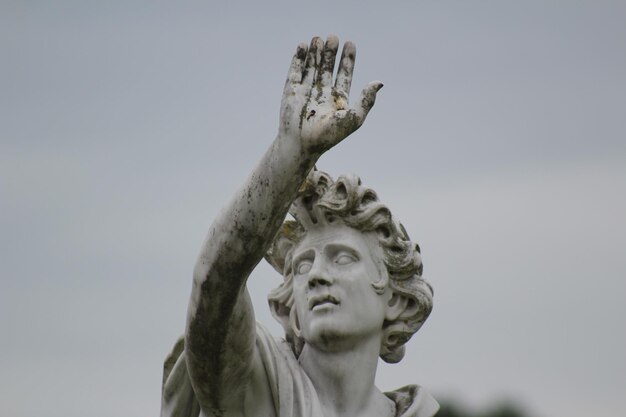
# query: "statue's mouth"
{"type": "Point", "coordinates": [322, 299]}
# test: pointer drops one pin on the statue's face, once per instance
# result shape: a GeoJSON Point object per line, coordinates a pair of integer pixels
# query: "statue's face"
{"type": "Point", "coordinates": [334, 268]}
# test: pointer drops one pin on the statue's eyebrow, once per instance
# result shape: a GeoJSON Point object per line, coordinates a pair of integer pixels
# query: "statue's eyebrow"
{"type": "Point", "coordinates": [305, 254]}
{"type": "Point", "coordinates": [332, 249]}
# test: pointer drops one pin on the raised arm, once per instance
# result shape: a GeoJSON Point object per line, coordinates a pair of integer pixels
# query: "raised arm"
{"type": "Point", "coordinates": [314, 117]}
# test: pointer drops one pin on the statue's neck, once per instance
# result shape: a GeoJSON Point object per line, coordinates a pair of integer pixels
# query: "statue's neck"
{"type": "Point", "coordinates": [345, 380]}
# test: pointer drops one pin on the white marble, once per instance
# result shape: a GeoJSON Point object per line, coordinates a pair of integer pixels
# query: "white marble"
{"type": "Point", "coordinates": [352, 289]}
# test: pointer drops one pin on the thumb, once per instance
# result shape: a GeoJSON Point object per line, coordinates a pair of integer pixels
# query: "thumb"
{"type": "Point", "coordinates": [347, 121]}
{"type": "Point", "coordinates": [366, 100]}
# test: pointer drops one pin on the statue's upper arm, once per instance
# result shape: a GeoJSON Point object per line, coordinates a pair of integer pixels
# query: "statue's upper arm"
{"type": "Point", "coordinates": [222, 359]}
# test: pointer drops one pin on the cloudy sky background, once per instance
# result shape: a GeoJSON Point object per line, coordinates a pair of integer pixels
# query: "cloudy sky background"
{"type": "Point", "coordinates": [499, 140]}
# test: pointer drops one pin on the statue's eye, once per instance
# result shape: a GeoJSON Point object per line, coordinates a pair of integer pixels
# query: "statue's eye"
{"type": "Point", "coordinates": [344, 259]}
{"type": "Point", "coordinates": [303, 267]}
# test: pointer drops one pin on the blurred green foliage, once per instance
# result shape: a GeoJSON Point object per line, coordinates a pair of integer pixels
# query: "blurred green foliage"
{"type": "Point", "coordinates": [451, 409]}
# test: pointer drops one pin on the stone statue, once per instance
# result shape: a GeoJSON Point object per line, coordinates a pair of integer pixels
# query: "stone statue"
{"type": "Point", "coordinates": [352, 288]}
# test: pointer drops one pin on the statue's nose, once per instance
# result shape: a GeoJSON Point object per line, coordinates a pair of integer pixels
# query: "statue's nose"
{"type": "Point", "coordinates": [319, 275]}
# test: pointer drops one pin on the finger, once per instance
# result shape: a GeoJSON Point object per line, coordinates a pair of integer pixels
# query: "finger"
{"type": "Point", "coordinates": [366, 100]}
{"type": "Point", "coordinates": [312, 61]}
{"type": "Point", "coordinates": [297, 65]}
{"type": "Point", "coordinates": [327, 66]}
{"type": "Point", "coordinates": [346, 68]}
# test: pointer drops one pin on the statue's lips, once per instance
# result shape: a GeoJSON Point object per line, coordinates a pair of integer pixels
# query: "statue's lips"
{"type": "Point", "coordinates": [318, 300]}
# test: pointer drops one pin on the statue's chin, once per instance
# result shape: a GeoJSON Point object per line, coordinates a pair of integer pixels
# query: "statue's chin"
{"type": "Point", "coordinates": [325, 335]}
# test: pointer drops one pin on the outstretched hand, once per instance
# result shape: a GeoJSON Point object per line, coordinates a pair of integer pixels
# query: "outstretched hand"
{"type": "Point", "coordinates": [313, 109]}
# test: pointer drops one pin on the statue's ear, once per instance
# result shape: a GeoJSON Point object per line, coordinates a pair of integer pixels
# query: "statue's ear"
{"type": "Point", "coordinates": [282, 244]}
{"type": "Point", "coordinates": [400, 306]}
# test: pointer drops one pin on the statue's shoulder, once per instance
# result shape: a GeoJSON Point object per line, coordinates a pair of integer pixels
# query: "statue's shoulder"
{"type": "Point", "coordinates": [413, 401]}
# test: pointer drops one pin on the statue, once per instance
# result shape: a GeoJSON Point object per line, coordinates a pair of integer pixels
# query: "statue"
{"type": "Point", "coordinates": [352, 288]}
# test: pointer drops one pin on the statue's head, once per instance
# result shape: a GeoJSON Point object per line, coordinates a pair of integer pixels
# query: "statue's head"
{"type": "Point", "coordinates": [341, 226]}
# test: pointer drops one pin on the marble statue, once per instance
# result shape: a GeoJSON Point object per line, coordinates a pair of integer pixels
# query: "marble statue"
{"type": "Point", "coordinates": [352, 289]}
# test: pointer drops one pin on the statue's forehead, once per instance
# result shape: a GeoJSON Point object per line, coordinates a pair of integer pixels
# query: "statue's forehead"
{"type": "Point", "coordinates": [337, 234]}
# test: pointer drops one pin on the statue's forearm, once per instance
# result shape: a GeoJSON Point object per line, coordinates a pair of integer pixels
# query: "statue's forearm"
{"type": "Point", "coordinates": [241, 234]}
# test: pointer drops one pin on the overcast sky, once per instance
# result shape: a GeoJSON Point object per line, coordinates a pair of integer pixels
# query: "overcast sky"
{"type": "Point", "coordinates": [499, 140]}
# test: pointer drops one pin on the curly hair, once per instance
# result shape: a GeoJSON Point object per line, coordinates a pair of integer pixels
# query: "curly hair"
{"type": "Point", "coordinates": [321, 201]}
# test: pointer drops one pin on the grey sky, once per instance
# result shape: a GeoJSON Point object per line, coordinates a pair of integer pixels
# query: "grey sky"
{"type": "Point", "coordinates": [498, 140]}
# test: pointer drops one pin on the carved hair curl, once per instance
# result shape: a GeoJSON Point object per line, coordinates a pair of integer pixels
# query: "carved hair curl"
{"type": "Point", "coordinates": [322, 201]}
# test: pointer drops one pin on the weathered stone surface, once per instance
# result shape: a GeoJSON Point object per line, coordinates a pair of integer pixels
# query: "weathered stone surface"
{"type": "Point", "coordinates": [352, 288]}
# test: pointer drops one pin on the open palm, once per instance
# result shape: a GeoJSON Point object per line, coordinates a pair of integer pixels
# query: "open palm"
{"type": "Point", "coordinates": [314, 109]}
